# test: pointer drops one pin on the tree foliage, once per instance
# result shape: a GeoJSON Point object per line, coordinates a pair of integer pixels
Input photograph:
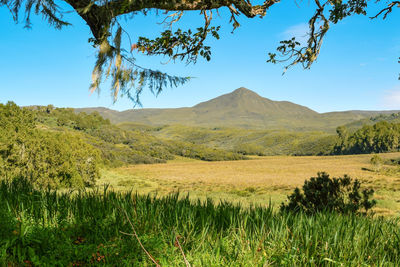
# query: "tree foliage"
{"type": "Point", "coordinates": [323, 193]}
{"type": "Point", "coordinates": [118, 63]}
{"type": "Point", "coordinates": [380, 137]}
{"type": "Point", "coordinates": [46, 158]}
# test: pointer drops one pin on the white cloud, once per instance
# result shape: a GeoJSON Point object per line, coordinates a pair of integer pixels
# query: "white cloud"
{"type": "Point", "coordinates": [391, 98]}
{"type": "Point", "coordinates": [300, 31]}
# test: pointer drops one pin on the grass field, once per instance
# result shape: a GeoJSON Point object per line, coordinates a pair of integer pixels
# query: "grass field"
{"type": "Point", "coordinates": [256, 181]}
{"type": "Point", "coordinates": [103, 228]}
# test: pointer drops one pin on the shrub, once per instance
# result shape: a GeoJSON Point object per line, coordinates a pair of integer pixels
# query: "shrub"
{"type": "Point", "coordinates": [50, 159]}
{"type": "Point", "coordinates": [376, 162]}
{"type": "Point", "coordinates": [393, 161]}
{"type": "Point", "coordinates": [323, 193]}
{"type": "Point", "coordinates": [46, 158]}
{"type": "Point", "coordinates": [249, 149]}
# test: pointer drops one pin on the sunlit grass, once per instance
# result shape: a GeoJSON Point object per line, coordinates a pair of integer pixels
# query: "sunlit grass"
{"type": "Point", "coordinates": [254, 181]}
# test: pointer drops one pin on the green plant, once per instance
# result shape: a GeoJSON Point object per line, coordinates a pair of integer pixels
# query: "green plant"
{"type": "Point", "coordinates": [323, 193]}
{"type": "Point", "coordinates": [47, 158]}
{"type": "Point", "coordinates": [376, 162]}
{"type": "Point", "coordinates": [85, 228]}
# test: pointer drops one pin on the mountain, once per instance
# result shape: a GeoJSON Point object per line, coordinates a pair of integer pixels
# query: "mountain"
{"type": "Point", "coordinates": [241, 108]}
{"type": "Point", "coordinates": [247, 104]}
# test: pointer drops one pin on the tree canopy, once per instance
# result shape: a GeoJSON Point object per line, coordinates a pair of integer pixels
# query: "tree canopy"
{"type": "Point", "coordinates": [117, 61]}
{"type": "Point", "coordinates": [45, 157]}
{"type": "Point", "coordinates": [378, 138]}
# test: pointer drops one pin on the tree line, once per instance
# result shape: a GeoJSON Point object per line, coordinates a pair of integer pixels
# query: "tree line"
{"type": "Point", "coordinates": [381, 137]}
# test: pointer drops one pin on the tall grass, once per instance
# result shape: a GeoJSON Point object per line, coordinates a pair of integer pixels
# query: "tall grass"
{"type": "Point", "coordinates": [48, 228]}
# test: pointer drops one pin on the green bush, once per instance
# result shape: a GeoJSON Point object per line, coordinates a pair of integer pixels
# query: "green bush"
{"type": "Point", "coordinates": [323, 193]}
{"type": "Point", "coordinates": [50, 159]}
{"type": "Point", "coordinates": [376, 162]}
{"type": "Point", "coordinates": [249, 149]}
{"type": "Point", "coordinates": [46, 158]}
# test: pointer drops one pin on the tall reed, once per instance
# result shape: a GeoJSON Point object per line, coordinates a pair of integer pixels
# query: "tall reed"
{"type": "Point", "coordinates": [49, 228]}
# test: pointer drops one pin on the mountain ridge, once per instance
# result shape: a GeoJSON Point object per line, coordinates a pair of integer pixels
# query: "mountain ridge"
{"type": "Point", "coordinates": [241, 108]}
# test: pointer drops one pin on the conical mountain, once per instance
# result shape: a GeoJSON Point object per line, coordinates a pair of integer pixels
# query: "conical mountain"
{"type": "Point", "coordinates": [240, 108]}
{"type": "Point", "coordinates": [243, 101]}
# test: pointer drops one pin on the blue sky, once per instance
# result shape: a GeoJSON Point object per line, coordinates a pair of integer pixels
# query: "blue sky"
{"type": "Point", "coordinates": [357, 67]}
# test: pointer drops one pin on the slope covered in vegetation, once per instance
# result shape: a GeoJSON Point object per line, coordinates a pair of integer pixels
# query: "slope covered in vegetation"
{"type": "Point", "coordinates": [393, 117]}
{"type": "Point", "coordinates": [59, 148]}
{"type": "Point", "coordinates": [247, 142]}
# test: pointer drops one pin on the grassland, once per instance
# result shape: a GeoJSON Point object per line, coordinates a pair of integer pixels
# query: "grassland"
{"type": "Point", "coordinates": [102, 228]}
{"type": "Point", "coordinates": [255, 181]}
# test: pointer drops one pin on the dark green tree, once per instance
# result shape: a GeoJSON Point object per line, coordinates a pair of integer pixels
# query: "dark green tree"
{"type": "Point", "coordinates": [324, 193]}
{"type": "Point", "coordinates": [343, 136]}
{"type": "Point", "coordinates": [117, 62]}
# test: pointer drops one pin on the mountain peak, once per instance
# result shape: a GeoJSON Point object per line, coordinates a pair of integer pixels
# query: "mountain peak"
{"type": "Point", "coordinates": [244, 103]}
{"type": "Point", "coordinates": [243, 91]}
{"type": "Point", "coordinates": [241, 97]}
{"type": "Point", "coordinates": [241, 107]}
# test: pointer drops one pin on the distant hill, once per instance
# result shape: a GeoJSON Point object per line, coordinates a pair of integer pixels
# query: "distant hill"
{"type": "Point", "coordinates": [392, 118]}
{"type": "Point", "coordinates": [247, 142]}
{"type": "Point", "coordinates": [241, 108]}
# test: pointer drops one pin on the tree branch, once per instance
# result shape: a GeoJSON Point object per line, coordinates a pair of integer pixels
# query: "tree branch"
{"type": "Point", "coordinates": [120, 7]}
{"type": "Point", "coordinates": [386, 11]}
{"type": "Point", "coordinates": [305, 55]}
{"type": "Point", "coordinates": [97, 18]}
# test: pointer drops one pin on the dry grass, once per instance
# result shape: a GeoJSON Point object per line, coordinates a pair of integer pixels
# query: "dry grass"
{"type": "Point", "coordinates": [253, 181]}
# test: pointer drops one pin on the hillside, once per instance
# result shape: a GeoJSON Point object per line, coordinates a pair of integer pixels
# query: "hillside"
{"type": "Point", "coordinates": [248, 142]}
{"type": "Point", "coordinates": [241, 108]}
{"type": "Point", "coordinates": [57, 147]}
{"type": "Point", "coordinates": [392, 118]}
